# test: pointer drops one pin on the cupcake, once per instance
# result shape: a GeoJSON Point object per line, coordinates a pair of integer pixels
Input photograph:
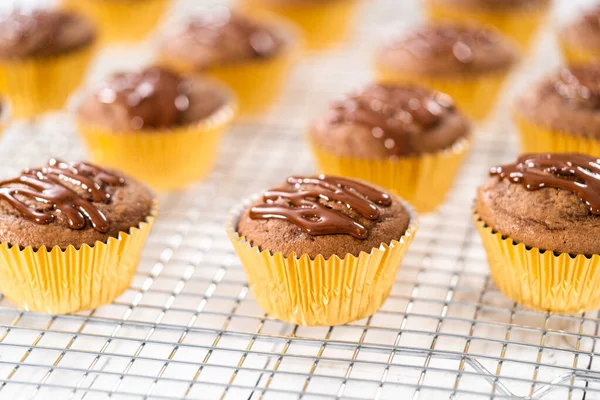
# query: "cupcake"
{"type": "Point", "coordinates": [159, 127]}
{"type": "Point", "coordinates": [251, 57]}
{"type": "Point", "coordinates": [323, 22]}
{"type": "Point", "coordinates": [71, 234]}
{"type": "Point", "coordinates": [468, 63]}
{"type": "Point", "coordinates": [122, 20]}
{"type": "Point", "coordinates": [43, 58]}
{"type": "Point", "coordinates": [405, 138]}
{"type": "Point", "coordinates": [519, 20]}
{"type": "Point", "coordinates": [539, 220]}
{"type": "Point", "coordinates": [560, 113]}
{"type": "Point", "coordinates": [321, 250]}
{"type": "Point", "coordinates": [580, 40]}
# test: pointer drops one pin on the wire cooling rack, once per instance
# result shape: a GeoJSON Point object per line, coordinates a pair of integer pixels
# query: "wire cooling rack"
{"type": "Point", "coordinates": [189, 327]}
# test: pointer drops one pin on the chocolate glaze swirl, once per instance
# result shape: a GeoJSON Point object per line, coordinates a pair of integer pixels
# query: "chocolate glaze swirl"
{"type": "Point", "coordinates": [50, 185]}
{"type": "Point", "coordinates": [393, 113]}
{"type": "Point", "coordinates": [576, 173]}
{"type": "Point", "coordinates": [304, 209]}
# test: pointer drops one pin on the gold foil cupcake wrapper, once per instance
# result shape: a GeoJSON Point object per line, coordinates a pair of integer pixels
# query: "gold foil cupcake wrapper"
{"type": "Point", "coordinates": [331, 291]}
{"type": "Point", "coordinates": [539, 279]}
{"type": "Point", "coordinates": [165, 159]}
{"type": "Point", "coordinates": [475, 94]}
{"type": "Point", "coordinates": [42, 84]}
{"type": "Point", "coordinates": [536, 139]}
{"type": "Point", "coordinates": [61, 281]}
{"type": "Point", "coordinates": [422, 180]}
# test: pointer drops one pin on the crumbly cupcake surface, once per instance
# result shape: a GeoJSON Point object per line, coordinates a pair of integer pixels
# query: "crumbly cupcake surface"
{"type": "Point", "coordinates": [323, 215]}
{"type": "Point", "coordinates": [565, 101]}
{"type": "Point", "coordinates": [43, 33]}
{"type": "Point", "coordinates": [584, 32]}
{"type": "Point", "coordinates": [548, 201]}
{"type": "Point", "coordinates": [383, 121]}
{"type": "Point", "coordinates": [443, 49]}
{"type": "Point", "coordinates": [152, 98]}
{"type": "Point", "coordinates": [222, 38]}
{"type": "Point", "coordinates": [70, 203]}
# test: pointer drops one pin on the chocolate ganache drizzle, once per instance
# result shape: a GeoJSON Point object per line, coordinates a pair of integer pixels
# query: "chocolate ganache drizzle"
{"type": "Point", "coordinates": [394, 113]}
{"type": "Point", "coordinates": [576, 173]}
{"type": "Point", "coordinates": [50, 185]}
{"type": "Point", "coordinates": [299, 204]}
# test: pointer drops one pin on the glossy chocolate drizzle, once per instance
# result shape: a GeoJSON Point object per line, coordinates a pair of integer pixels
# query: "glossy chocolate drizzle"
{"type": "Point", "coordinates": [393, 113]}
{"type": "Point", "coordinates": [50, 185]}
{"type": "Point", "coordinates": [576, 173]}
{"type": "Point", "coordinates": [301, 205]}
{"type": "Point", "coordinates": [153, 97]}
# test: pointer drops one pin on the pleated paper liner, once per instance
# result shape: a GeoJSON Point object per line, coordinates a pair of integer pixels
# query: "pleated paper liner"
{"type": "Point", "coordinates": [322, 291]}
{"type": "Point", "coordinates": [42, 84]}
{"type": "Point", "coordinates": [323, 23]}
{"type": "Point", "coordinates": [61, 281]}
{"type": "Point", "coordinates": [165, 159]}
{"type": "Point", "coordinates": [576, 55]}
{"type": "Point", "coordinates": [537, 139]}
{"type": "Point", "coordinates": [121, 21]}
{"type": "Point", "coordinates": [519, 25]}
{"type": "Point", "coordinates": [422, 180]}
{"type": "Point", "coordinates": [538, 279]}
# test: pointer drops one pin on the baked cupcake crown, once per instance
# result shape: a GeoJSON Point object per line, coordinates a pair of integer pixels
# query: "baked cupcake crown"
{"type": "Point", "coordinates": [302, 208]}
{"type": "Point", "coordinates": [581, 83]}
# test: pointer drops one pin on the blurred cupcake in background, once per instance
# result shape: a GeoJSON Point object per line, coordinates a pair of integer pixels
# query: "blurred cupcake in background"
{"type": "Point", "coordinates": [323, 22]}
{"type": "Point", "coordinates": [580, 40]}
{"type": "Point", "coordinates": [560, 112]}
{"type": "Point", "coordinates": [406, 139]}
{"type": "Point", "coordinates": [517, 19]}
{"type": "Point", "coordinates": [468, 63]}
{"type": "Point", "coordinates": [44, 55]}
{"type": "Point", "coordinates": [122, 20]}
{"type": "Point", "coordinates": [155, 125]}
{"type": "Point", "coordinates": [252, 57]}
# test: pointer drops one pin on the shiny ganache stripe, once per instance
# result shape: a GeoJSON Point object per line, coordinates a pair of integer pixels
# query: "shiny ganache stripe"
{"type": "Point", "coordinates": [576, 173]}
{"type": "Point", "coordinates": [50, 185]}
{"type": "Point", "coordinates": [301, 205]}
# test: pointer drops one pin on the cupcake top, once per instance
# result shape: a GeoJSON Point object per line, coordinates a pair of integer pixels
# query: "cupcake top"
{"type": "Point", "coordinates": [493, 4]}
{"type": "Point", "coordinates": [585, 30]}
{"type": "Point", "coordinates": [548, 201]}
{"type": "Point", "coordinates": [43, 33]}
{"type": "Point", "coordinates": [323, 215]}
{"type": "Point", "coordinates": [153, 98]}
{"type": "Point", "coordinates": [222, 38]}
{"type": "Point", "coordinates": [69, 203]}
{"type": "Point", "coordinates": [444, 49]}
{"type": "Point", "coordinates": [566, 101]}
{"type": "Point", "coordinates": [383, 121]}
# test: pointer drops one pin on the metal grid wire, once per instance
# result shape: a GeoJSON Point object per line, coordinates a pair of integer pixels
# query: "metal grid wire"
{"type": "Point", "coordinates": [189, 326]}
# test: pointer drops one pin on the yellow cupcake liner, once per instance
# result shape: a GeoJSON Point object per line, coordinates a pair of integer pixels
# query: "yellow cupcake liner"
{"type": "Point", "coordinates": [323, 24]}
{"type": "Point", "coordinates": [576, 55]}
{"type": "Point", "coordinates": [537, 139]}
{"type": "Point", "coordinates": [121, 21]}
{"type": "Point", "coordinates": [331, 291]}
{"type": "Point", "coordinates": [539, 279]}
{"type": "Point", "coordinates": [475, 94]}
{"type": "Point", "coordinates": [422, 180]}
{"type": "Point", "coordinates": [166, 159]}
{"type": "Point", "coordinates": [61, 281]}
{"type": "Point", "coordinates": [519, 25]}
{"type": "Point", "coordinates": [42, 84]}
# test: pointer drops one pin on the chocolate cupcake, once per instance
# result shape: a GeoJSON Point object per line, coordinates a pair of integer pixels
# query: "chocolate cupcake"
{"type": "Point", "coordinates": [407, 139]}
{"type": "Point", "coordinates": [519, 20]}
{"type": "Point", "coordinates": [156, 125]}
{"type": "Point", "coordinates": [43, 58]}
{"type": "Point", "coordinates": [251, 56]}
{"type": "Point", "coordinates": [539, 219]}
{"type": "Point", "coordinates": [559, 113]}
{"type": "Point", "coordinates": [322, 250]}
{"type": "Point", "coordinates": [580, 40]}
{"type": "Point", "coordinates": [469, 63]}
{"type": "Point", "coordinates": [71, 234]}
